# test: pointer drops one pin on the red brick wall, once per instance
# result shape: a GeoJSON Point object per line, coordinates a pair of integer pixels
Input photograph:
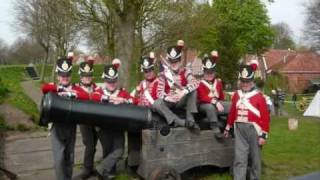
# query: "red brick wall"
{"type": "Point", "coordinates": [298, 82]}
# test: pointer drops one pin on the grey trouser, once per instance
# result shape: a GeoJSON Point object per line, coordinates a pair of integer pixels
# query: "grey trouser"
{"type": "Point", "coordinates": [89, 139]}
{"type": "Point", "coordinates": [211, 112]}
{"type": "Point", "coordinates": [188, 102]}
{"type": "Point", "coordinates": [63, 137]}
{"type": "Point", "coordinates": [246, 148]}
{"type": "Point", "coordinates": [112, 149]}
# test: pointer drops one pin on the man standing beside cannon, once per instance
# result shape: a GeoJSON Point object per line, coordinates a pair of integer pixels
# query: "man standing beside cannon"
{"type": "Point", "coordinates": [63, 135]}
{"type": "Point", "coordinates": [85, 89]}
{"type": "Point", "coordinates": [181, 93]}
{"type": "Point", "coordinates": [112, 140]}
{"type": "Point", "coordinates": [250, 118]}
{"type": "Point", "coordinates": [210, 93]}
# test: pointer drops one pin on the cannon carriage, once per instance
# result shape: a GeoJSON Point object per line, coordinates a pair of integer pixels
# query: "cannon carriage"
{"type": "Point", "coordinates": [156, 149]}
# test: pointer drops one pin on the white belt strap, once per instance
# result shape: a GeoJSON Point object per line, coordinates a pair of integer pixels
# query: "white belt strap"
{"type": "Point", "coordinates": [107, 93]}
{"type": "Point", "coordinates": [212, 88]}
{"type": "Point", "coordinates": [244, 99]}
{"type": "Point", "coordinates": [168, 75]}
{"type": "Point", "coordinates": [147, 93]}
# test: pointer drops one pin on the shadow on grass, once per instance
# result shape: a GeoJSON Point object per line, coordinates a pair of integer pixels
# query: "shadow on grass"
{"type": "Point", "coordinates": [207, 172]}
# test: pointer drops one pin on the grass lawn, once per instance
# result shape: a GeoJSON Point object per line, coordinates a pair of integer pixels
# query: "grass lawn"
{"type": "Point", "coordinates": [11, 78]}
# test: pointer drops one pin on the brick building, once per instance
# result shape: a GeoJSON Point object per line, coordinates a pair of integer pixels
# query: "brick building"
{"type": "Point", "coordinates": [299, 68]}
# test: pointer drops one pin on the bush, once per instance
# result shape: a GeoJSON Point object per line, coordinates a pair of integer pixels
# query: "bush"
{"type": "Point", "coordinates": [274, 81]}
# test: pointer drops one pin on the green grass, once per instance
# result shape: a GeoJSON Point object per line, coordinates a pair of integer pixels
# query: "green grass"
{"type": "Point", "coordinates": [292, 153]}
{"type": "Point", "coordinates": [287, 153]}
{"type": "Point", "coordinates": [11, 78]}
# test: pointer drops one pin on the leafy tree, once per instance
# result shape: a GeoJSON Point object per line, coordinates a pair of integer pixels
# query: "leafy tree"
{"type": "Point", "coordinates": [236, 28]}
{"type": "Point", "coordinates": [282, 36]}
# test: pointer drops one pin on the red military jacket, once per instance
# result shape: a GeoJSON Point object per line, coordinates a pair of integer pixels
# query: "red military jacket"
{"type": "Point", "coordinates": [183, 78]}
{"type": "Point", "coordinates": [54, 88]}
{"type": "Point", "coordinates": [146, 93]}
{"type": "Point", "coordinates": [100, 93]}
{"type": "Point", "coordinates": [85, 93]}
{"type": "Point", "coordinates": [209, 91]}
{"type": "Point", "coordinates": [249, 107]}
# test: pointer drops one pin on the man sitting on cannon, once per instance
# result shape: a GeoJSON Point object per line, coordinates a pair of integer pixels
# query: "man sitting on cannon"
{"type": "Point", "coordinates": [210, 93]}
{"type": "Point", "coordinates": [181, 93]}
{"type": "Point", "coordinates": [112, 140]}
{"type": "Point", "coordinates": [146, 92]}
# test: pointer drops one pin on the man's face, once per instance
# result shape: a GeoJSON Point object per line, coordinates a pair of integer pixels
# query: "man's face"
{"type": "Point", "coordinates": [111, 86]}
{"type": "Point", "coordinates": [246, 86]}
{"type": "Point", "coordinates": [175, 66]}
{"type": "Point", "coordinates": [86, 80]}
{"type": "Point", "coordinates": [209, 76]}
{"type": "Point", "coordinates": [149, 75]}
{"type": "Point", "coordinates": [64, 80]}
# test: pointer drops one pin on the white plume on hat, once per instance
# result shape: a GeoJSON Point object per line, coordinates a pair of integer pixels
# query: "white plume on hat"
{"type": "Point", "coordinates": [214, 53]}
{"type": "Point", "coordinates": [152, 55]}
{"type": "Point", "coordinates": [116, 62]}
{"type": "Point", "coordinates": [180, 42]}
{"type": "Point", "coordinates": [70, 54]}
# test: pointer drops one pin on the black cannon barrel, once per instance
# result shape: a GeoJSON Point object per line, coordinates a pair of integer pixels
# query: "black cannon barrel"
{"type": "Point", "coordinates": [123, 116]}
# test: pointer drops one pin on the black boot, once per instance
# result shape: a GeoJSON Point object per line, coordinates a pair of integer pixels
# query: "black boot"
{"type": "Point", "coordinates": [193, 126]}
{"type": "Point", "coordinates": [216, 131]}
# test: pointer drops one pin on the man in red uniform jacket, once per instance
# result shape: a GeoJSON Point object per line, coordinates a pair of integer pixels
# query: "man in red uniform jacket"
{"type": "Point", "coordinates": [85, 89]}
{"type": "Point", "coordinates": [210, 93]}
{"type": "Point", "coordinates": [63, 135]}
{"type": "Point", "coordinates": [181, 93]}
{"type": "Point", "coordinates": [112, 140]}
{"type": "Point", "coordinates": [146, 92]}
{"type": "Point", "coordinates": [250, 117]}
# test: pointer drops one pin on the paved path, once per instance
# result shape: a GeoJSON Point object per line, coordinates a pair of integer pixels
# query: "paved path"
{"type": "Point", "coordinates": [33, 91]}
{"type": "Point", "coordinates": [29, 155]}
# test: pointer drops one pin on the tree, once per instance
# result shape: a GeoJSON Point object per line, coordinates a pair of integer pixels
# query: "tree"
{"type": "Point", "coordinates": [51, 23]}
{"type": "Point", "coordinates": [3, 52]}
{"type": "Point", "coordinates": [282, 36]}
{"type": "Point", "coordinates": [312, 24]}
{"type": "Point", "coordinates": [24, 51]}
{"type": "Point", "coordinates": [120, 19]}
{"type": "Point", "coordinates": [236, 28]}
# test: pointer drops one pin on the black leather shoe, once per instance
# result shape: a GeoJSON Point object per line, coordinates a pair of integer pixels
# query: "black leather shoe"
{"type": "Point", "coordinates": [217, 133]}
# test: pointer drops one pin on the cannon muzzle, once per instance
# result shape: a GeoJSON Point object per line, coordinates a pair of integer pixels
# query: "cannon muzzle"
{"type": "Point", "coordinates": [122, 117]}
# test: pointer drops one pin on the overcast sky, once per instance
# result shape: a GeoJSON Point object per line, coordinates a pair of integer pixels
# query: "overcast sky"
{"type": "Point", "coordinates": [289, 11]}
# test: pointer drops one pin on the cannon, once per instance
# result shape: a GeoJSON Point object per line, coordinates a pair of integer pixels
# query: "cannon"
{"type": "Point", "coordinates": [155, 149]}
